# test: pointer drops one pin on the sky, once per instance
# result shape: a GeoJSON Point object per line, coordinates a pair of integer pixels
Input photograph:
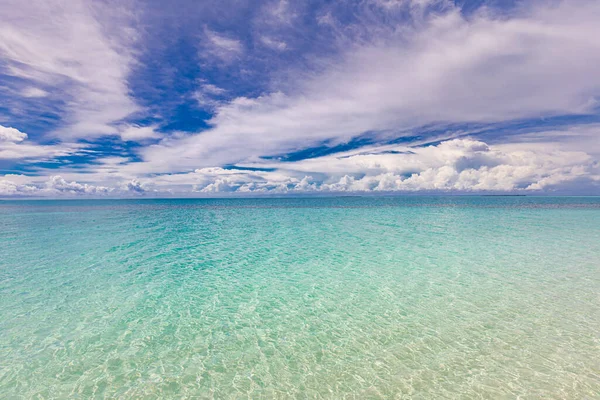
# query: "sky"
{"type": "Point", "coordinates": [238, 98]}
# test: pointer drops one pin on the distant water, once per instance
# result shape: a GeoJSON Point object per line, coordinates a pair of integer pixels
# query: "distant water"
{"type": "Point", "coordinates": [416, 297]}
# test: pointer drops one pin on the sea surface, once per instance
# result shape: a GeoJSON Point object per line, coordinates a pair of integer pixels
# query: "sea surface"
{"type": "Point", "coordinates": [352, 297]}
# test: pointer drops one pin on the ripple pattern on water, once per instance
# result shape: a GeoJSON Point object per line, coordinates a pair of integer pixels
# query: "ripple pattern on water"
{"type": "Point", "coordinates": [301, 298]}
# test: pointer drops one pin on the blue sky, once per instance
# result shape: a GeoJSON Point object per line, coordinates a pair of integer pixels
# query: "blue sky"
{"type": "Point", "coordinates": [200, 98]}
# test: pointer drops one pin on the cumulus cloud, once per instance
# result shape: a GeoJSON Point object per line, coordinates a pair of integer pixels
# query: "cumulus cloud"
{"type": "Point", "coordinates": [454, 165]}
{"type": "Point", "coordinates": [14, 146]}
{"type": "Point", "coordinates": [463, 165]}
{"type": "Point", "coordinates": [56, 185]}
{"type": "Point", "coordinates": [8, 187]}
{"type": "Point", "coordinates": [219, 180]}
{"type": "Point", "coordinates": [21, 185]}
{"type": "Point", "coordinates": [460, 165]}
{"type": "Point", "coordinates": [448, 69]}
{"type": "Point", "coordinates": [135, 186]}
{"type": "Point", "coordinates": [13, 135]}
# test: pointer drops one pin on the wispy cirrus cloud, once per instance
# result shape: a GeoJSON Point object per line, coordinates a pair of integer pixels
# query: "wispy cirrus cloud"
{"type": "Point", "coordinates": [209, 96]}
{"type": "Point", "coordinates": [273, 44]}
{"type": "Point", "coordinates": [34, 92]}
{"type": "Point", "coordinates": [74, 49]}
{"type": "Point", "coordinates": [221, 46]}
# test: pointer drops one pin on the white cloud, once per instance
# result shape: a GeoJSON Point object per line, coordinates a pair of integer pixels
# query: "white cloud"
{"type": "Point", "coordinates": [277, 12]}
{"type": "Point", "coordinates": [462, 165]}
{"type": "Point", "coordinates": [209, 95]}
{"type": "Point", "coordinates": [8, 134]}
{"type": "Point", "coordinates": [37, 152]}
{"type": "Point", "coordinates": [209, 88]}
{"type": "Point", "coordinates": [221, 46]}
{"type": "Point", "coordinates": [21, 185]}
{"type": "Point", "coordinates": [457, 165]}
{"type": "Point", "coordinates": [136, 133]}
{"type": "Point", "coordinates": [135, 186]}
{"type": "Point", "coordinates": [12, 188]}
{"type": "Point", "coordinates": [449, 69]}
{"type": "Point", "coordinates": [68, 45]}
{"type": "Point", "coordinates": [14, 146]}
{"type": "Point", "coordinates": [34, 92]}
{"type": "Point", "coordinates": [574, 138]}
{"type": "Point", "coordinates": [273, 44]}
{"type": "Point", "coordinates": [219, 180]}
{"type": "Point", "coordinates": [58, 186]}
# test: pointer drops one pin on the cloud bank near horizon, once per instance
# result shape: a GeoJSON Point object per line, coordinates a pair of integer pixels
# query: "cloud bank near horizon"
{"type": "Point", "coordinates": [458, 165]}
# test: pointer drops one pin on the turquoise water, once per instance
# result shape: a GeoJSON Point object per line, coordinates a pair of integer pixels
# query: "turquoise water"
{"type": "Point", "coordinates": [400, 297]}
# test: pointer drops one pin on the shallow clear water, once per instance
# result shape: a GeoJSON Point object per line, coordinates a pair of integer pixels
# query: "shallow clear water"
{"type": "Point", "coordinates": [417, 297]}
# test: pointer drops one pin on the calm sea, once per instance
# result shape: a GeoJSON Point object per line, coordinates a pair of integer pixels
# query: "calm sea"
{"type": "Point", "coordinates": [388, 297]}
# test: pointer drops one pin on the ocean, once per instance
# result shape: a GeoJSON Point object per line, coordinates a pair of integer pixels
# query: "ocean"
{"type": "Point", "coordinates": [440, 297]}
